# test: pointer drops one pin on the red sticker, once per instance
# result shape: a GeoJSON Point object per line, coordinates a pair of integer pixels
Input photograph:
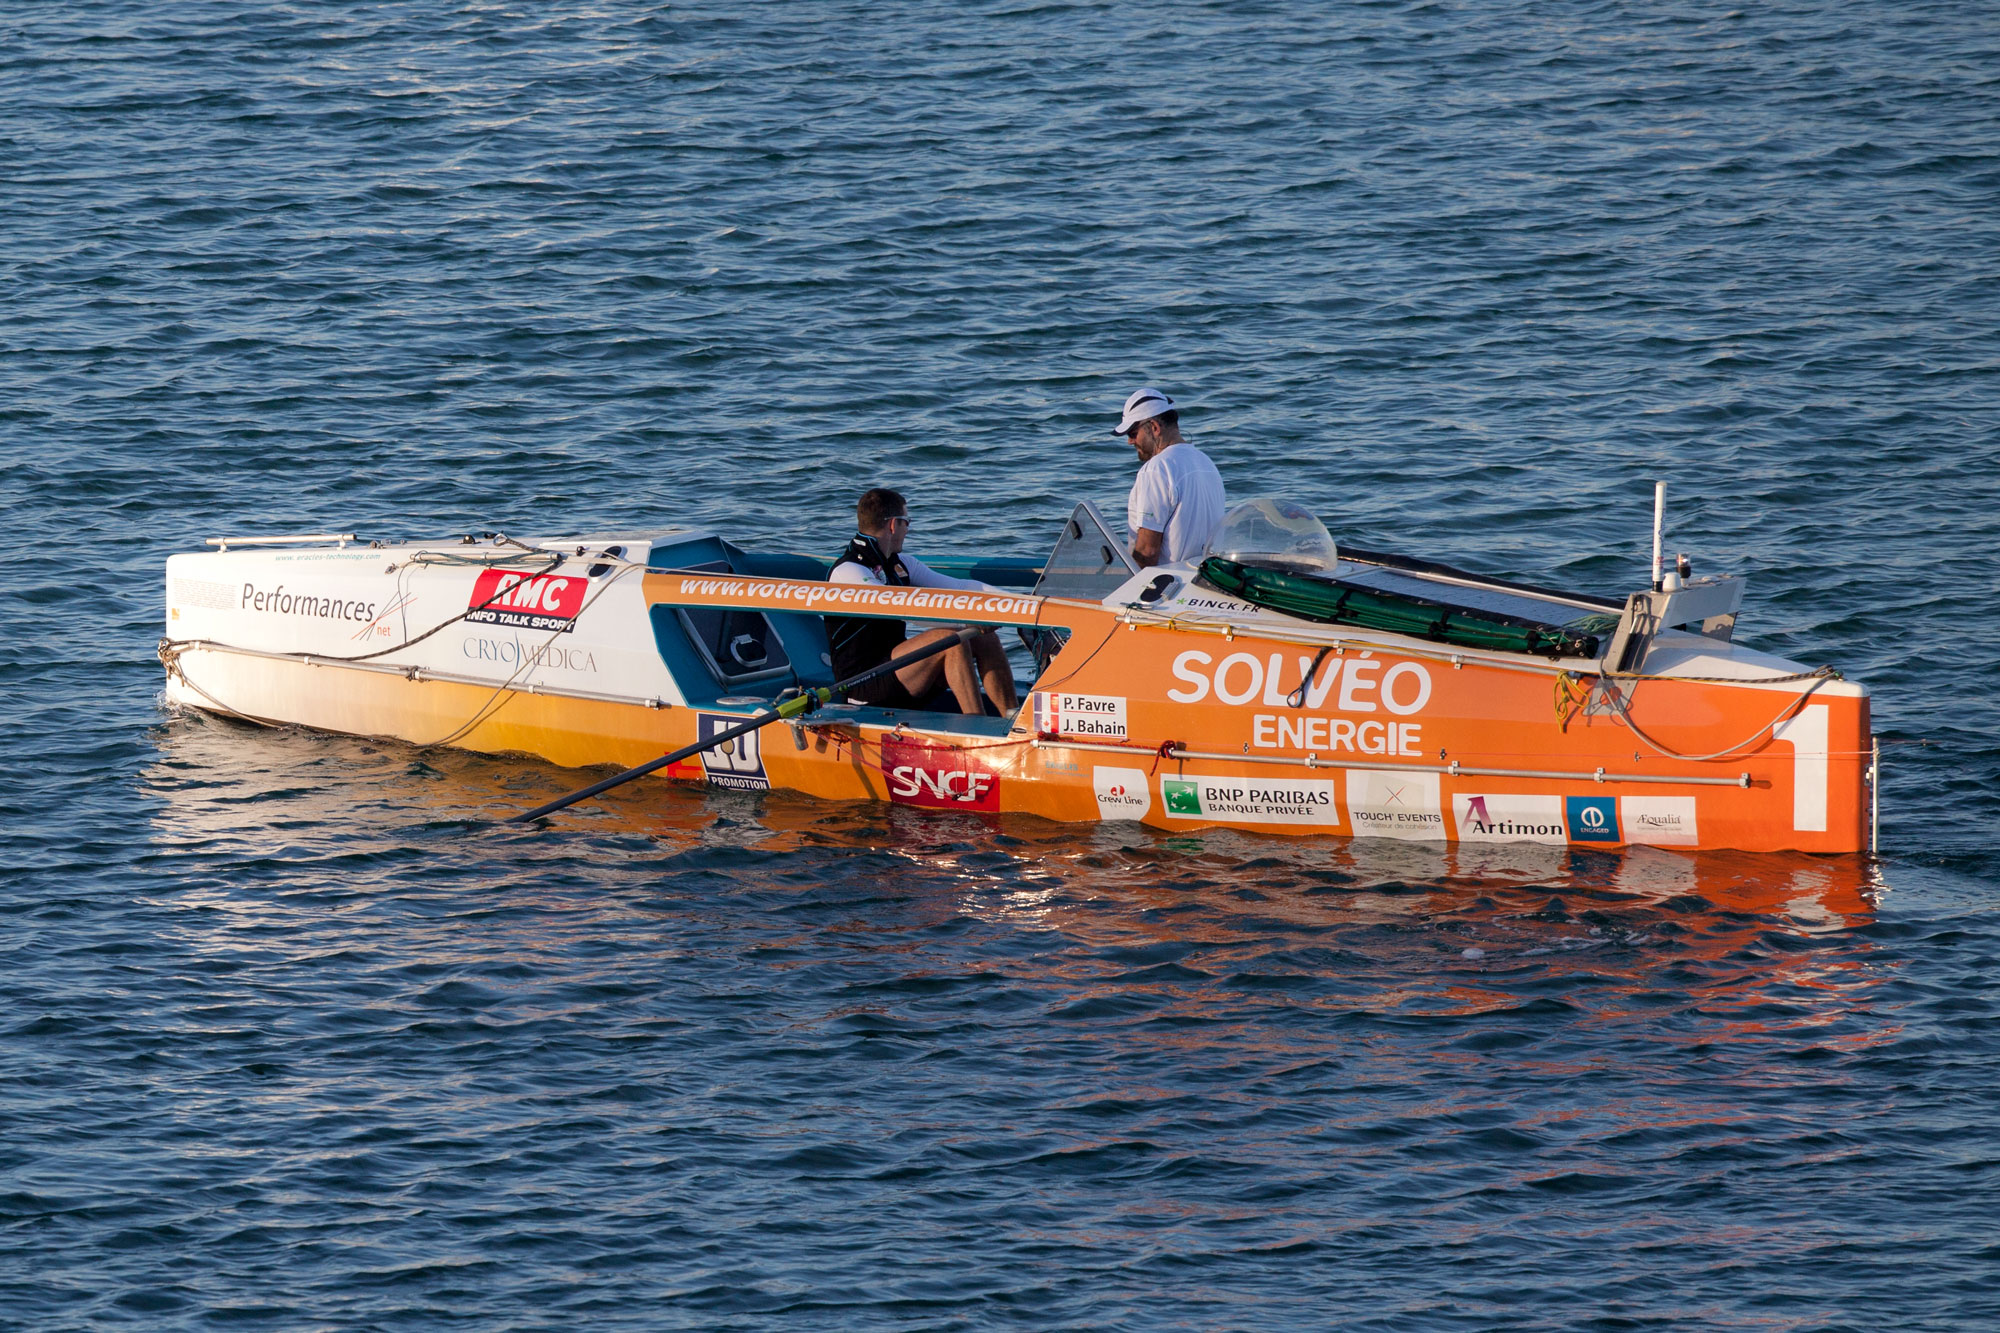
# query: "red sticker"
{"type": "Point", "coordinates": [687, 770]}
{"type": "Point", "coordinates": [521, 600]}
{"type": "Point", "coordinates": [937, 777]}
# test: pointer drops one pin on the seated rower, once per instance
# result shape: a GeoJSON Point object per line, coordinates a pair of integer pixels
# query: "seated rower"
{"type": "Point", "coordinates": [876, 556]}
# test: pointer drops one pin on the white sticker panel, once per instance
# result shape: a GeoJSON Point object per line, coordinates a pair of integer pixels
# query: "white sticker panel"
{"type": "Point", "coordinates": [1806, 734]}
{"type": "Point", "coordinates": [1122, 793]}
{"type": "Point", "coordinates": [1509, 818]}
{"type": "Point", "coordinates": [1250, 800]}
{"type": "Point", "coordinates": [1087, 716]}
{"type": "Point", "coordinates": [1659, 821]}
{"type": "Point", "coordinates": [1394, 805]}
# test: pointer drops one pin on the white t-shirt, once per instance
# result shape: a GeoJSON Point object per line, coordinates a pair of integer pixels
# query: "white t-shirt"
{"type": "Point", "coordinates": [1178, 493]}
{"type": "Point", "coordinates": [921, 576]}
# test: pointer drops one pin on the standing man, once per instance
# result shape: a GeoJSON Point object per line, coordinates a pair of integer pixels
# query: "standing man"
{"type": "Point", "coordinates": [1177, 501]}
{"type": "Point", "coordinates": [875, 555]}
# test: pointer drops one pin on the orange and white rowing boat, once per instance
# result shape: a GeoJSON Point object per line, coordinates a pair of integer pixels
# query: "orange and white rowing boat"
{"type": "Point", "coordinates": [1353, 694]}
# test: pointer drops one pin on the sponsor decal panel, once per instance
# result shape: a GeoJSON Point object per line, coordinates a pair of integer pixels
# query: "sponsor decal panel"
{"type": "Point", "coordinates": [1394, 805]}
{"type": "Point", "coordinates": [403, 601]}
{"type": "Point", "coordinates": [858, 595]}
{"type": "Point", "coordinates": [1250, 800]}
{"type": "Point", "coordinates": [1089, 716]}
{"type": "Point", "coordinates": [737, 764]}
{"type": "Point", "coordinates": [512, 653]}
{"type": "Point", "coordinates": [205, 593]}
{"type": "Point", "coordinates": [1806, 733]}
{"type": "Point", "coordinates": [1122, 793]}
{"type": "Point", "coordinates": [938, 777]}
{"type": "Point", "coordinates": [520, 600]}
{"type": "Point", "coordinates": [1363, 683]}
{"type": "Point", "coordinates": [1509, 818]}
{"type": "Point", "coordinates": [1659, 821]}
{"type": "Point", "coordinates": [1352, 705]}
{"type": "Point", "coordinates": [1592, 818]}
{"type": "Point", "coordinates": [400, 602]}
{"type": "Point", "coordinates": [1323, 735]}
{"type": "Point", "coordinates": [280, 601]}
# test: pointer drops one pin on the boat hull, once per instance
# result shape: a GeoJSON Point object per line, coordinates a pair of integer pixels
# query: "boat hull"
{"type": "Point", "coordinates": [1169, 718]}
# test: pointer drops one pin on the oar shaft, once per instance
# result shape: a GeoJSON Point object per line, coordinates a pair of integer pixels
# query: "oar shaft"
{"type": "Point", "coordinates": [651, 766]}
{"type": "Point", "coordinates": [789, 708]}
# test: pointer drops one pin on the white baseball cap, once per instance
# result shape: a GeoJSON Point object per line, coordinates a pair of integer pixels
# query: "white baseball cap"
{"type": "Point", "coordinates": [1143, 405]}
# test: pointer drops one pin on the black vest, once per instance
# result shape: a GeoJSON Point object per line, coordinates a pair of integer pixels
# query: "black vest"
{"type": "Point", "coordinates": [857, 643]}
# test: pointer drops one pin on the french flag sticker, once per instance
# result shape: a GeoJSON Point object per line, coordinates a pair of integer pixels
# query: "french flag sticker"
{"type": "Point", "coordinates": [1048, 714]}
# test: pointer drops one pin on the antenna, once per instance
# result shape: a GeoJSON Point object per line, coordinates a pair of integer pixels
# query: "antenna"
{"type": "Point", "coordinates": [1659, 524]}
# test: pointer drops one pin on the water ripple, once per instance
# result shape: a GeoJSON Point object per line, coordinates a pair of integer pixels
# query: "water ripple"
{"type": "Point", "coordinates": [294, 1039]}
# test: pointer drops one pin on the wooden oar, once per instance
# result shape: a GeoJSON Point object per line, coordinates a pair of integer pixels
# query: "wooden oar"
{"type": "Point", "coordinates": [790, 708]}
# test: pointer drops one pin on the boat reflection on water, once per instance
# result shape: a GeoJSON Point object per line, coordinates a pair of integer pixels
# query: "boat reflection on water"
{"type": "Point", "coordinates": [1411, 927]}
{"type": "Point", "coordinates": [357, 810]}
{"type": "Point", "coordinates": [1381, 1004]}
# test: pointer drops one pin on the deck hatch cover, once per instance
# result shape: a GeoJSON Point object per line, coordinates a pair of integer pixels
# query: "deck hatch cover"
{"type": "Point", "coordinates": [738, 646]}
{"type": "Point", "coordinates": [1089, 562]}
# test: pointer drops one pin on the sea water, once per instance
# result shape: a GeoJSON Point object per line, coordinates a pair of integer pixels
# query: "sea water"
{"type": "Point", "coordinates": [292, 1041]}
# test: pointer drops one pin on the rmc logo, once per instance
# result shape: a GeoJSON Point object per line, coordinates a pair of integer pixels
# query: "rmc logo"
{"type": "Point", "coordinates": [522, 600]}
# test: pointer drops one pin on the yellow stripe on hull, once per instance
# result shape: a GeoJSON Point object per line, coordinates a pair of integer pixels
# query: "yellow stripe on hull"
{"type": "Point", "coordinates": [575, 733]}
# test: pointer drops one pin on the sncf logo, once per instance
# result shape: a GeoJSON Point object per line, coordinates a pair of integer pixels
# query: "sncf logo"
{"type": "Point", "coordinates": [521, 600]}
{"type": "Point", "coordinates": [938, 778]}
{"type": "Point", "coordinates": [922, 785]}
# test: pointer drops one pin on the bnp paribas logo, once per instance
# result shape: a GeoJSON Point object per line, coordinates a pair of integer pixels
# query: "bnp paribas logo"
{"type": "Point", "coordinates": [1182, 797]}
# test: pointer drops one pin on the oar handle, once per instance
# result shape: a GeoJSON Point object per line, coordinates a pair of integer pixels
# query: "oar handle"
{"type": "Point", "coordinates": [790, 708]}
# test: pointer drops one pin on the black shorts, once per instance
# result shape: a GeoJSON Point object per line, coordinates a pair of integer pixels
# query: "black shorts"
{"type": "Point", "coordinates": [885, 691]}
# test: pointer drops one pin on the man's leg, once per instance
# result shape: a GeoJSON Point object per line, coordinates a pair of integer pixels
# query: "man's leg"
{"type": "Point", "coordinates": [997, 672]}
{"type": "Point", "coordinates": [920, 678]}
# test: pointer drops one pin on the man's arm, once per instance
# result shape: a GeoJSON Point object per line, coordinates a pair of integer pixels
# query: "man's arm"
{"type": "Point", "coordinates": [923, 576]}
{"type": "Point", "coordinates": [1149, 510]}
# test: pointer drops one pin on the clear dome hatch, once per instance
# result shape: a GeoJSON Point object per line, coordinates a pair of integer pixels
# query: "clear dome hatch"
{"type": "Point", "coordinates": [1273, 533]}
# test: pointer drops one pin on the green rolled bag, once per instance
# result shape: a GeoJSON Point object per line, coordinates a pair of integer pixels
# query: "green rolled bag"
{"type": "Point", "coordinates": [1332, 603]}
